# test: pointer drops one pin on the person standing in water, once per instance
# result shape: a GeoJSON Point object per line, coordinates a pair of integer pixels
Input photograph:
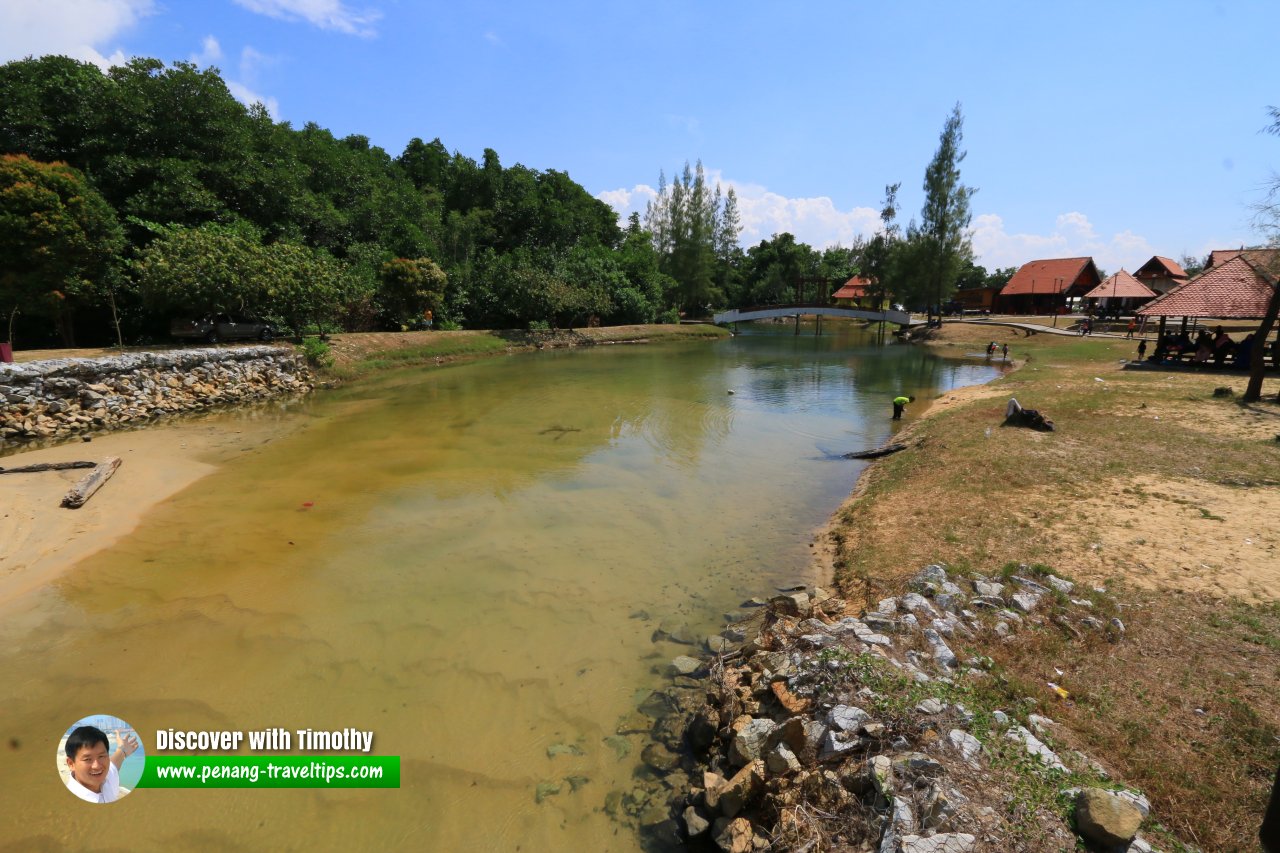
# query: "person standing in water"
{"type": "Point", "coordinates": [900, 403]}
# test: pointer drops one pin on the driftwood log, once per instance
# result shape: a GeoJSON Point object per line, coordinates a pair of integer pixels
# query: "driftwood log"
{"type": "Point", "coordinates": [47, 466]}
{"type": "Point", "coordinates": [83, 490]}
{"type": "Point", "coordinates": [875, 454]}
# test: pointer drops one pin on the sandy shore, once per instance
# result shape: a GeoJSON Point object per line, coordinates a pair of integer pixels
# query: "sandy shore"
{"type": "Point", "coordinates": [39, 540]}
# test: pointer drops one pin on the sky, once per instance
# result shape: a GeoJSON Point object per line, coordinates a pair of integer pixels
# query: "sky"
{"type": "Point", "coordinates": [1116, 130]}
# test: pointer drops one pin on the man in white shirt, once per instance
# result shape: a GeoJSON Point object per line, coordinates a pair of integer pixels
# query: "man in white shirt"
{"type": "Point", "coordinates": [95, 778]}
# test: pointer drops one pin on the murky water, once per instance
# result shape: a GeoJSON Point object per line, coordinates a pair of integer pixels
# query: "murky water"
{"type": "Point", "coordinates": [470, 562]}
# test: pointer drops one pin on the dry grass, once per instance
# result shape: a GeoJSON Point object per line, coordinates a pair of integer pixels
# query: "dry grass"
{"type": "Point", "coordinates": [1186, 708]}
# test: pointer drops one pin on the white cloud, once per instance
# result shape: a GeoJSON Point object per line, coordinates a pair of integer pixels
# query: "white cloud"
{"type": "Point", "coordinates": [210, 52]}
{"type": "Point", "coordinates": [1073, 235]}
{"type": "Point", "coordinates": [325, 14]}
{"type": "Point", "coordinates": [248, 97]}
{"type": "Point", "coordinates": [493, 38]}
{"type": "Point", "coordinates": [81, 29]}
{"type": "Point", "coordinates": [816, 221]}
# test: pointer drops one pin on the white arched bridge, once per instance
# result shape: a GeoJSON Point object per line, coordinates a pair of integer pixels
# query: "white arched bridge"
{"type": "Point", "coordinates": [741, 315]}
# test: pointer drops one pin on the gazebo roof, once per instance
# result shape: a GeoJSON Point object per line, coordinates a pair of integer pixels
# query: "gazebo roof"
{"type": "Point", "coordinates": [854, 288]}
{"type": "Point", "coordinates": [1233, 290]}
{"type": "Point", "coordinates": [1121, 286]}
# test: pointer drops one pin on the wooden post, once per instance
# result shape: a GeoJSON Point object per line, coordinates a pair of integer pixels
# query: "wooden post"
{"type": "Point", "coordinates": [818, 332]}
{"type": "Point", "coordinates": [83, 490]}
{"type": "Point", "coordinates": [797, 324]}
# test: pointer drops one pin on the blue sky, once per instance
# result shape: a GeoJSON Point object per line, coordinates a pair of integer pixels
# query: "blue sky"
{"type": "Point", "coordinates": [1118, 130]}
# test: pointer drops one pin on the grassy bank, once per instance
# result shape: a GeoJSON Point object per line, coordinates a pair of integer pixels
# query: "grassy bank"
{"type": "Point", "coordinates": [1151, 487]}
{"type": "Point", "coordinates": [358, 354]}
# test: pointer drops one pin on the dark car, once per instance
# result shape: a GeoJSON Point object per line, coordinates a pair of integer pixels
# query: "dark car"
{"type": "Point", "coordinates": [222, 327]}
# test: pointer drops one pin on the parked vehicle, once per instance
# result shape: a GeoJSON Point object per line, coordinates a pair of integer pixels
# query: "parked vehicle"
{"type": "Point", "coordinates": [221, 327]}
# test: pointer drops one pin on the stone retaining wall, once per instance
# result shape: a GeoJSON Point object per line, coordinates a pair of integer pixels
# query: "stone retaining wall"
{"type": "Point", "coordinates": [62, 397]}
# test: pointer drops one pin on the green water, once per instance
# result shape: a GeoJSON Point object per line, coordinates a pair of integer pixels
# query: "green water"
{"type": "Point", "coordinates": [471, 563]}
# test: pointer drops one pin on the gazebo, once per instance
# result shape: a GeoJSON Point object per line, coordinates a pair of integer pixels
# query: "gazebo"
{"type": "Point", "coordinates": [1120, 291]}
{"type": "Point", "coordinates": [1235, 289]}
{"type": "Point", "coordinates": [1161, 274]}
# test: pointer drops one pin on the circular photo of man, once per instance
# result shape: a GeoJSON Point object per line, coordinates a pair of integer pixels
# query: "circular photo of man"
{"type": "Point", "coordinates": [100, 759]}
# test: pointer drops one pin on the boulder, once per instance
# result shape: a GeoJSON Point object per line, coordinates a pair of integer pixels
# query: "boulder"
{"type": "Point", "coordinates": [749, 741]}
{"type": "Point", "coordinates": [947, 842]}
{"type": "Point", "coordinates": [1104, 818]}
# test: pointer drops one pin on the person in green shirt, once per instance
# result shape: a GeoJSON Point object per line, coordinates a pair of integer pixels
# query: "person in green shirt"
{"type": "Point", "coordinates": [900, 403]}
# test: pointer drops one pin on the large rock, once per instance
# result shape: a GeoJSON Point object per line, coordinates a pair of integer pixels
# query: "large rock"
{"type": "Point", "coordinates": [736, 836]}
{"type": "Point", "coordinates": [1105, 818]}
{"type": "Point", "coordinates": [847, 718]}
{"type": "Point", "coordinates": [749, 741]}
{"type": "Point", "coordinates": [947, 842]}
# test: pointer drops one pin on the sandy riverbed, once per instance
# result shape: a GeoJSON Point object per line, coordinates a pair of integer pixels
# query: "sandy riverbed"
{"type": "Point", "coordinates": [39, 540]}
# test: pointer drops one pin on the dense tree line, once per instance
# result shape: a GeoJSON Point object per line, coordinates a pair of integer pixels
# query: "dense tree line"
{"type": "Point", "coordinates": [169, 196]}
{"type": "Point", "coordinates": [134, 195]}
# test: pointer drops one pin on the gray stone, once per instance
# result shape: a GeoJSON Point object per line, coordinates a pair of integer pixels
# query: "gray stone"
{"type": "Point", "coordinates": [947, 842]}
{"type": "Point", "coordinates": [887, 605]}
{"type": "Point", "coordinates": [1025, 601]}
{"type": "Point", "coordinates": [968, 745]}
{"type": "Point", "coordinates": [1040, 725]}
{"type": "Point", "coordinates": [880, 771]}
{"type": "Point", "coordinates": [847, 718]}
{"type": "Point", "coordinates": [880, 623]}
{"type": "Point", "coordinates": [942, 654]}
{"type": "Point", "coordinates": [938, 809]}
{"type": "Point", "coordinates": [1036, 748]}
{"type": "Point", "coordinates": [1030, 585]}
{"type": "Point", "coordinates": [1104, 818]}
{"type": "Point", "coordinates": [835, 744]}
{"type": "Point", "coordinates": [918, 603]}
{"type": "Point", "coordinates": [748, 742]}
{"type": "Point", "coordinates": [931, 706]}
{"type": "Point", "coordinates": [1060, 584]}
{"type": "Point", "coordinates": [934, 573]}
{"type": "Point", "coordinates": [988, 589]}
{"type": "Point", "coordinates": [1001, 718]}
{"type": "Point", "coordinates": [694, 823]}
{"type": "Point", "coordinates": [949, 601]}
{"type": "Point", "coordinates": [781, 760]}
{"type": "Point", "coordinates": [684, 665]}
{"type": "Point", "coordinates": [913, 765]}
{"type": "Point", "coordinates": [904, 819]}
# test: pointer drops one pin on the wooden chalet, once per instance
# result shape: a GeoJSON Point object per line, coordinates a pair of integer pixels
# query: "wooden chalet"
{"type": "Point", "coordinates": [1161, 274]}
{"type": "Point", "coordinates": [1049, 286]}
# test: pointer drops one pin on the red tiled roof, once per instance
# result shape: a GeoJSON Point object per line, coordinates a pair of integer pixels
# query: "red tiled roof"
{"type": "Point", "coordinates": [1052, 275]}
{"type": "Point", "coordinates": [1159, 267]}
{"type": "Point", "coordinates": [1261, 257]}
{"type": "Point", "coordinates": [854, 288]}
{"type": "Point", "coordinates": [1233, 290]}
{"type": "Point", "coordinates": [1120, 286]}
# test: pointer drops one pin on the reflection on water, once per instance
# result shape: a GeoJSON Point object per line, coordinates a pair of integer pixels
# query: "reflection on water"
{"type": "Point", "coordinates": [470, 562]}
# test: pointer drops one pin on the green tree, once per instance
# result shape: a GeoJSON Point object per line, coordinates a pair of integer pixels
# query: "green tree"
{"type": "Point", "coordinates": [880, 256]}
{"type": "Point", "coordinates": [410, 287]}
{"type": "Point", "coordinates": [943, 235]}
{"type": "Point", "coordinates": [205, 270]}
{"type": "Point", "coordinates": [58, 242]}
{"type": "Point", "coordinates": [1267, 218]}
{"type": "Point", "coordinates": [694, 229]}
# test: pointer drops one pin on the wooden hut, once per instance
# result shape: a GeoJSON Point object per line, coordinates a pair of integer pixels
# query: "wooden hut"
{"type": "Point", "coordinates": [1161, 274]}
{"type": "Point", "coordinates": [1049, 286]}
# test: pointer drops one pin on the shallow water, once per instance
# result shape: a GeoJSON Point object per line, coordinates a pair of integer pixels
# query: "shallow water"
{"type": "Point", "coordinates": [471, 562]}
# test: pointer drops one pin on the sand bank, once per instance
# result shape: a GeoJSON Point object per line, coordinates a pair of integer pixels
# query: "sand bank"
{"type": "Point", "coordinates": [39, 540]}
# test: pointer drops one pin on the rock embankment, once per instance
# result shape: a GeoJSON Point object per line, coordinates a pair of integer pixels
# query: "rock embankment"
{"type": "Point", "coordinates": [62, 397]}
{"type": "Point", "coordinates": [830, 727]}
